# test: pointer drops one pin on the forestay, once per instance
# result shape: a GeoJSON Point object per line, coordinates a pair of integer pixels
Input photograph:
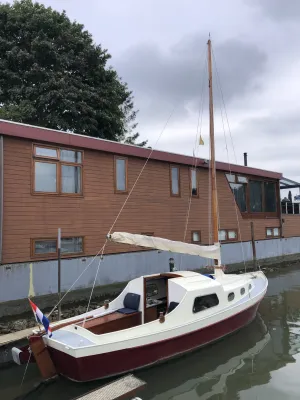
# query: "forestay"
{"type": "Point", "coordinates": [167, 245]}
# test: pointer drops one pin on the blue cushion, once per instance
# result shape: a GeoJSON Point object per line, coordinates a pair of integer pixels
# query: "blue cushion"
{"type": "Point", "coordinates": [132, 300]}
{"type": "Point", "coordinates": [209, 275]}
{"type": "Point", "coordinates": [172, 306]}
{"type": "Point", "coordinates": [126, 311]}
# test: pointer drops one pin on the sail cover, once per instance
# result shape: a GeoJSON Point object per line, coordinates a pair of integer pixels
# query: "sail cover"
{"type": "Point", "coordinates": [167, 245]}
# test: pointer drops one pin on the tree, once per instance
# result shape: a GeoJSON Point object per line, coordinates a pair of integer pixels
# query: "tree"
{"type": "Point", "coordinates": [53, 75]}
{"type": "Point", "coordinates": [290, 196]}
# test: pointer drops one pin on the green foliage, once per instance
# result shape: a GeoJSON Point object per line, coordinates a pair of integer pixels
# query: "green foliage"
{"type": "Point", "coordinates": [52, 74]}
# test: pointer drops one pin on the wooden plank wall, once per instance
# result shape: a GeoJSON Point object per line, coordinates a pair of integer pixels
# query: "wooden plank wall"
{"type": "Point", "coordinates": [150, 208]}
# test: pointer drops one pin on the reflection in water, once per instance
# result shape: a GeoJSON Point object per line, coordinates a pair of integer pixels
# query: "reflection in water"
{"type": "Point", "coordinates": [259, 362]}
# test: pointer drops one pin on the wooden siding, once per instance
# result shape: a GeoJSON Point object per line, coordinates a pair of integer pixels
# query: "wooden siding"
{"type": "Point", "coordinates": [149, 209]}
{"type": "Point", "coordinates": [291, 225]}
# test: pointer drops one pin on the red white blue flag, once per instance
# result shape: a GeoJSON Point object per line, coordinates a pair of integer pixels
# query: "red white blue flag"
{"type": "Point", "coordinates": [40, 317]}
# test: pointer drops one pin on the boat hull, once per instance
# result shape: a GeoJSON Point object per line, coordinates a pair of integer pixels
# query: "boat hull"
{"type": "Point", "coordinates": [100, 366]}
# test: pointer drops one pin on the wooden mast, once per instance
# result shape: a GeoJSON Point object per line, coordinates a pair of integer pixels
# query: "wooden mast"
{"type": "Point", "coordinates": [215, 215]}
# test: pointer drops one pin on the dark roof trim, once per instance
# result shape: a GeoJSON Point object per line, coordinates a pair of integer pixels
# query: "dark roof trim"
{"type": "Point", "coordinates": [30, 132]}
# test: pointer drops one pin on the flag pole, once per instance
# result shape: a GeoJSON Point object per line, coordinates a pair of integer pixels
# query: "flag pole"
{"type": "Point", "coordinates": [59, 272]}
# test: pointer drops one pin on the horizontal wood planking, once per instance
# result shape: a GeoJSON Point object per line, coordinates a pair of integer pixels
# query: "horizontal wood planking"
{"type": "Point", "coordinates": [149, 209]}
{"type": "Point", "coordinates": [291, 225]}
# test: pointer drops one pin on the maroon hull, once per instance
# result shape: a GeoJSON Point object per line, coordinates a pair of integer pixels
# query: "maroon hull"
{"type": "Point", "coordinates": [118, 362]}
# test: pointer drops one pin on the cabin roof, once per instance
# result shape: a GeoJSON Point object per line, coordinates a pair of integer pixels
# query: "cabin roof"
{"type": "Point", "coordinates": [195, 282]}
{"type": "Point", "coordinates": [56, 137]}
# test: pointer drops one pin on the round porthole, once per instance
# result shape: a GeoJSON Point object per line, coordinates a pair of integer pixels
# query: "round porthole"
{"type": "Point", "coordinates": [242, 291]}
{"type": "Point", "coordinates": [231, 296]}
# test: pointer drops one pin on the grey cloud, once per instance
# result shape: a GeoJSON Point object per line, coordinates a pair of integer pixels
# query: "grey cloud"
{"type": "Point", "coordinates": [176, 75]}
{"type": "Point", "coordinates": [278, 9]}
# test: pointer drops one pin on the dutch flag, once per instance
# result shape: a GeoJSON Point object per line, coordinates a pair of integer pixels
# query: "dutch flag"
{"type": "Point", "coordinates": [40, 318]}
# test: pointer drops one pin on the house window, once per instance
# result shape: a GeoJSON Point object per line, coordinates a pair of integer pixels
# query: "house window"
{"type": "Point", "coordinates": [254, 196]}
{"type": "Point", "coordinates": [57, 171]}
{"type": "Point", "coordinates": [175, 181]}
{"type": "Point", "coordinates": [228, 235]}
{"type": "Point", "coordinates": [202, 303]}
{"type": "Point", "coordinates": [272, 232]}
{"type": "Point", "coordinates": [48, 247]}
{"type": "Point", "coordinates": [196, 237]}
{"type": "Point", "coordinates": [121, 174]}
{"type": "Point", "coordinates": [45, 246]}
{"type": "Point", "coordinates": [194, 182]}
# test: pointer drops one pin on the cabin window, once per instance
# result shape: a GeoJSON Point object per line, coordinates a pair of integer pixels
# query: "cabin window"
{"type": "Point", "coordinates": [48, 247]}
{"type": "Point", "coordinates": [196, 237]}
{"type": "Point", "coordinates": [194, 182]}
{"type": "Point", "coordinates": [272, 232]}
{"type": "Point", "coordinates": [242, 291]}
{"type": "Point", "coordinates": [250, 287]}
{"type": "Point", "coordinates": [228, 235]}
{"type": "Point", "coordinates": [204, 302]}
{"type": "Point", "coordinates": [231, 296]}
{"type": "Point", "coordinates": [121, 174]}
{"type": "Point", "coordinates": [175, 181]}
{"type": "Point", "coordinates": [57, 171]}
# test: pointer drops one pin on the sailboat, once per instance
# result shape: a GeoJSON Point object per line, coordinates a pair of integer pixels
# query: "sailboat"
{"type": "Point", "coordinates": [156, 317]}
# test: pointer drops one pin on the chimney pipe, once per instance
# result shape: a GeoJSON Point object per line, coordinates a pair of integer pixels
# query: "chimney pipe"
{"type": "Point", "coordinates": [245, 159]}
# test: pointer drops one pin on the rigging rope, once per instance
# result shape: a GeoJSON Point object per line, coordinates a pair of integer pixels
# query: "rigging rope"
{"type": "Point", "coordinates": [115, 221]}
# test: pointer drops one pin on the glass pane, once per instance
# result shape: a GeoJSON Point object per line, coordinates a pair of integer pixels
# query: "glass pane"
{"type": "Point", "coordinates": [70, 156]}
{"type": "Point", "coordinates": [231, 235]}
{"type": "Point", "coordinates": [242, 179]}
{"type": "Point", "coordinates": [276, 231]}
{"type": "Point", "coordinates": [239, 191]}
{"type": "Point", "coordinates": [45, 177]}
{"type": "Point", "coordinates": [175, 180]}
{"type": "Point", "coordinates": [70, 179]}
{"type": "Point", "coordinates": [222, 235]}
{"type": "Point", "coordinates": [196, 237]}
{"type": "Point", "coordinates": [194, 182]}
{"type": "Point", "coordinates": [121, 174]}
{"type": "Point", "coordinates": [44, 246]}
{"type": "Point", "coordinates": [255, 196]}
{"type": "Point", "coordinates": [269, 232]}
{"type": "Point", "coordinates": [270, 197]}
{"type": "Point", "coordinates": [71, 245]}
{"type": "Point", "coordinates": [230, 178]}
{"type": "Point", "coordinates": [46, 152]}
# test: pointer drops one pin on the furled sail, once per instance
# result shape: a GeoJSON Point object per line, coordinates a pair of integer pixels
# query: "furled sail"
{"type": "Point", "coordinates": [167, 245]}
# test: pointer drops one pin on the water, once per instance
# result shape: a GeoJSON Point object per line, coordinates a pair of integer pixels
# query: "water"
{"type": "Point", "coordinates": [262, 361]}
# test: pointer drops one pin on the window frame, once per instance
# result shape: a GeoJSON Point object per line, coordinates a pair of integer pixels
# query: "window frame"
{"type": "Point", "coordinates": [205, 295]}
{"type": "Point", "coordinates": [55, 255]}
{"type": "Point", "coordinates": [126, 174]}
{"type": "Point", "coordinates": [59, 163]}
{"type": "Point", "coordinates": [179, 187]}
{"type": "Point", "coordinates": [192, 239]}
{"type": "Point", "coordinates": [197, 182]}
{"type": "Point", "coordinates": [236, 239]}
{"type": "Point", "coordinates": [273, 236]}
{"type": "Point", "coordinates": [259, 214]}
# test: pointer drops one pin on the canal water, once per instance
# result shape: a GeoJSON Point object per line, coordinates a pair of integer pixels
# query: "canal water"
{"type": "Point", "coordinates": [262, 361]}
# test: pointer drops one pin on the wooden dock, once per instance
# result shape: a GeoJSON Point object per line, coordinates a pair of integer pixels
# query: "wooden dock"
{"type": "Point", "coordinates": [119, 389]}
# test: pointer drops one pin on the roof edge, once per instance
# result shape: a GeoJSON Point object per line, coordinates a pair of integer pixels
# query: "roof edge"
{"type": "Point", "coordinates": [31, 132]}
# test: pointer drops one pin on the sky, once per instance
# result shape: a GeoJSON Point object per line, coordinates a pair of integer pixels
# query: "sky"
{"type": "Point", "coordinates": [159, 47]}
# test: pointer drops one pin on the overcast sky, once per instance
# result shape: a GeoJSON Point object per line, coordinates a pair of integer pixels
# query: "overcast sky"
{"type": "Point", "coordinates": [159, 48]}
